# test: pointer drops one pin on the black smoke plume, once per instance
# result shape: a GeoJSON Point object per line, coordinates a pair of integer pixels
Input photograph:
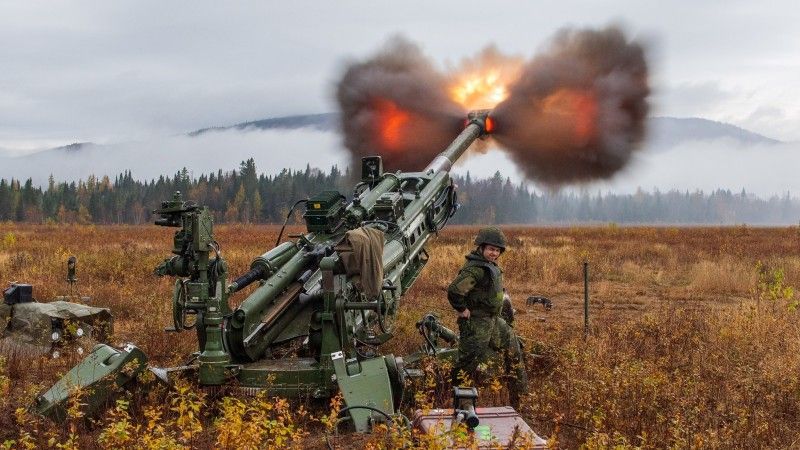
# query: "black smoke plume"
{"type": "Point", "coordinates": [578, 110]}
{"type": "Point", "coordinates": [395, 105]}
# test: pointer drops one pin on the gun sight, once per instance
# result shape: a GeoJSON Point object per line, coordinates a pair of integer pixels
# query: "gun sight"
{"type": "Point", "coordinates": [171, 211]}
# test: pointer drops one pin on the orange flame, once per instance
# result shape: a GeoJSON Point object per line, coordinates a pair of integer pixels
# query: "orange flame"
{"type": "Point", "coordinates": [484, 88]}
{"type": "Point", "coordinates": [392, 121]}
{"type": "Point", "coordinates": [578, 107]}
{"type": "Point", "coordinates": [490, 125]}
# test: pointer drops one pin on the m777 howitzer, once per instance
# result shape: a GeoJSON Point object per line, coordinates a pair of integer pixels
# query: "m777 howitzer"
{"type": "Point", "coordinates": [332, 292]}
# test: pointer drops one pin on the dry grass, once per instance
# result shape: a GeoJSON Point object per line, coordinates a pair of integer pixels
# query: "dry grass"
{"type": "Point", "coordinates": [725, 276]}
{"type": "Point", "coordinates": [693, 344]}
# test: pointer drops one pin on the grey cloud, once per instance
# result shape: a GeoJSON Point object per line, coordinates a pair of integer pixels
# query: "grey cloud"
{"type": "Point", "coordinates": [772, 120]}
{"type": "Point", "coordinates": [112, 71]}
{"type": "Point", "coordinates": [764, 113]}
{"type": "Point", "coordinates": [694, 98]}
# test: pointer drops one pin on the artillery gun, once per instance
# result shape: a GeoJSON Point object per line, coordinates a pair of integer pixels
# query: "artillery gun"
{"type": "Point", "coordinates": [325, 300]}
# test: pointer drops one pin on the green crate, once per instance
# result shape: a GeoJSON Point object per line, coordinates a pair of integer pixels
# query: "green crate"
{"type": "Point", "coordinates": [324, 211]}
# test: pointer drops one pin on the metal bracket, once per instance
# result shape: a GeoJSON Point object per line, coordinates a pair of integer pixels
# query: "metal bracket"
{"type": "Point", "coordinates": [97, 376]}
{"type": "Point", "coordinates": [370, 386]}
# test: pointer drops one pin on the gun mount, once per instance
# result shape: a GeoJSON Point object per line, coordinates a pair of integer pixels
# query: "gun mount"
{"type": "Point", "coordinates": [326, 300]}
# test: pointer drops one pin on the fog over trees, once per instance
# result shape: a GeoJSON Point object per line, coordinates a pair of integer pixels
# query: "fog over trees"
{"type": "Point", "coordinates": [245, 196]}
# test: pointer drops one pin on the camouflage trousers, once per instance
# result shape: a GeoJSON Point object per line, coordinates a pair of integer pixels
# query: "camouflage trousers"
{"type": "Point", "coordinates": [488, 347]}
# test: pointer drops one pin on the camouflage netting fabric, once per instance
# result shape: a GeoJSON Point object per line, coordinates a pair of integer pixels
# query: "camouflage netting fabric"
{"type": "Point", "coordinates": [30, 325]}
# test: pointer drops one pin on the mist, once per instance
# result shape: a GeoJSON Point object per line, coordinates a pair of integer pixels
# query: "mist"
{"type": "Point", "coordinates": [760, 169]}
{"type": "Point", "coordinates": [272, 150]}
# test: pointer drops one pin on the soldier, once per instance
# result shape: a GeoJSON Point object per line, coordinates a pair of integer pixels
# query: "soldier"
{"type": "Point", "coordinates": [477, 294]}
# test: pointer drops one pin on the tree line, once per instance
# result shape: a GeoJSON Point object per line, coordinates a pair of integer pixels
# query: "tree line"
{"type": "Point", "coordinates": [245, 196]}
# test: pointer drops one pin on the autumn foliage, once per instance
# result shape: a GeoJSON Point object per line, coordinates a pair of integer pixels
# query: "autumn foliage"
{"type": "Point", "coordinates": [693, 341]}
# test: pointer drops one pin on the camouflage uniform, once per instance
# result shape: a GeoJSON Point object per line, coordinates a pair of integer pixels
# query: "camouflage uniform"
{"type": "Point", "coordinates": [485, 335]}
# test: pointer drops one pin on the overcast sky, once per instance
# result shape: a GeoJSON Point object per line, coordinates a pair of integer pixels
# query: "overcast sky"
{"type": "Point", "coordinates": [113, 71]}
{"type": "Point", "coordinates": [139, 72]}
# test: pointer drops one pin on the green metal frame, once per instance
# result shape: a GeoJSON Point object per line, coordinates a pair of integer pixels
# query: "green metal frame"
{"type": "Point", "coordinates": [304, 292]}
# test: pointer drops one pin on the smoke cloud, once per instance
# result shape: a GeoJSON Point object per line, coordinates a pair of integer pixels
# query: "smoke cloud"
{"type": "Point", "coordinates": [578, 110]}
{"type": "Point", "coordinates": [395, 104]}
{"type": "Point", "coordinates": [574, 113]}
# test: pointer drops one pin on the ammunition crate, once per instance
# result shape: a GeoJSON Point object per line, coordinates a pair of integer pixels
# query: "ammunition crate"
{"type": "Point", "coordinates": [499, 427]}
{"type": "Point", "coordinates": [323, 211]}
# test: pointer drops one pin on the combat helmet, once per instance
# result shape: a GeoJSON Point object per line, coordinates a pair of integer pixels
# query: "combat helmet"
{"type": "Point", "coordinates": [492, 236]}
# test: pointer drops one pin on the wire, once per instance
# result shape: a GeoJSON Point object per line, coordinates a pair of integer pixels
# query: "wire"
{"type": "Point", "coordinates": [405, 420]}
{"type": "Point", "coordinates": [359, 341]}
{"type": "Point", "coordinates": [216, 247]}
{"type": "Point", "coordinates": [450, 194]}
{"type": "Point", "coordinates": [385, 308]}
{"type": "Point", "coordinates": [431, 346]}
{"type": "Point", "coordinates": [348, 408]}
{"type": "Point", "coordinates": [288, 215]}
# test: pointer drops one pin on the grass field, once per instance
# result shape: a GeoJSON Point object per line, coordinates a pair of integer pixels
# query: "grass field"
{"type": "Point", "coordinates": [693, 340]}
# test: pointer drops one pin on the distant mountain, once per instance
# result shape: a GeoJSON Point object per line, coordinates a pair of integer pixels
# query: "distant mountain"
{"type": "Point", "coordinates": [323, 122]}
{"type": "Point", "coordinates": [74, 147]}
{"type": "Point", "coordinates": [670, 131]}
{"type": "Point", "coordinates": [664, 132]}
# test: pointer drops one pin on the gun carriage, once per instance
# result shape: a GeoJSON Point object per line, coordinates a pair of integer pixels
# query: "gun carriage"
{"type": "Point", "coordinates": [322, 298]}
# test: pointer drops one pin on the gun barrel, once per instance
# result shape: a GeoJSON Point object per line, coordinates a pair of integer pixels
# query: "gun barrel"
{"type": "Point", "coordinates": [264, 266]}
{"type": "Point", "coordinates": [478, 125]}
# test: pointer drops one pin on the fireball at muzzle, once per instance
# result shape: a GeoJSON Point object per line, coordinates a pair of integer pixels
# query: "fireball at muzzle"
{"type": "Point", "coordinates": [575, 112]}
